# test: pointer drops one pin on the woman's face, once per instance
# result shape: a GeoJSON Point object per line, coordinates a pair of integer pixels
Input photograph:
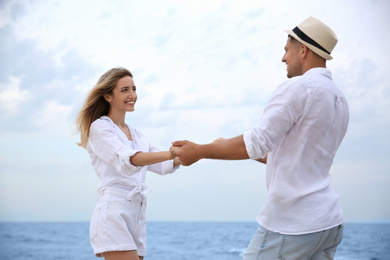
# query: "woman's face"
{"type": "Point", "coordinates": [123, 97]}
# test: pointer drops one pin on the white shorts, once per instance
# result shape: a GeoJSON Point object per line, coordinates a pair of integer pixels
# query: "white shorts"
{"type": "Point", "coordinates": [118, 223]}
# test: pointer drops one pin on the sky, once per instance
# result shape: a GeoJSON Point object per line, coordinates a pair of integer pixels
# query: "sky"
{"type": "Point", "coordinates": [203, 70]}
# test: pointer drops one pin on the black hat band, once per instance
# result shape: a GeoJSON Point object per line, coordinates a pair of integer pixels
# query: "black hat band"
{"type": "Point", "coordinates": [307, 39]}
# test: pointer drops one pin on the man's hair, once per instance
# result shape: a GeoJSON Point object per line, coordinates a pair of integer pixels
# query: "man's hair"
{"type": "Point", "coordinates": [295, 42]}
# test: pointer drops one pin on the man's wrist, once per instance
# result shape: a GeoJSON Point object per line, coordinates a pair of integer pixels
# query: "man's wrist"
{"type": "Point", "coordinates": [203, 151]}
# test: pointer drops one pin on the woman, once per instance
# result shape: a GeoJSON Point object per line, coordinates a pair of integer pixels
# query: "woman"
{"type": "Point", "coordinates": [120, 156]}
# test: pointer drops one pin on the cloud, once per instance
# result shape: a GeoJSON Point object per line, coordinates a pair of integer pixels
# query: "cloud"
{"type": "Point", "coordinates": [53, 118]}
{"type": "Point", "coordinates": [31, 77]}
{"type": "Point", "coordinates": [203, 70]}
{"type": "Point", "coordinates": [11, 96]}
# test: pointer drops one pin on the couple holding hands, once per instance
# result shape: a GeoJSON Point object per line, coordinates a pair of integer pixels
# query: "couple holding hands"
{"type": "Point", "coordinates": [297, 138]}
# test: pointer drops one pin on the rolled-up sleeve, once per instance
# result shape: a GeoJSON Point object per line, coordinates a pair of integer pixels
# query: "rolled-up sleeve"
{"type": "Point", "coordinates": [282, 112]}
{"type": "Point", "coordinates": [106, 145]}
{"type": "Point", "coordinates": [250, 149]}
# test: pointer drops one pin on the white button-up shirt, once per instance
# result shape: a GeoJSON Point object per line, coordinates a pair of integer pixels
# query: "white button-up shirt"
{"type": "Point", "coordinates": [110, 151]}
{"type": "Point", "coordinates": [301, 129]}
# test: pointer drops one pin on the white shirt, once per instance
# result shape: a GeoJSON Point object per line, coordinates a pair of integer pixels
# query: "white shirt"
{"type": "Point", "coordinates": [110, 151]}
{"type": "Point", "coordinates": [301, 129]}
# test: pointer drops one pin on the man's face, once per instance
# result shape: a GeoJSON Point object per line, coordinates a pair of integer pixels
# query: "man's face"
{"type": "Point", "coordinates": [291, 58]}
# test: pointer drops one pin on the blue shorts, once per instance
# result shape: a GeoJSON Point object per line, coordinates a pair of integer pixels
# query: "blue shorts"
{"type": "Point", "coordinates": [268, 245]}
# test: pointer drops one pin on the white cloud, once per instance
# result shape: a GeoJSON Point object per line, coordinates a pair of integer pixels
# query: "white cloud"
{"type": "Point", "coordinates": [53, 119]}
{"type": "Point", "coordinates": [203, 69]}
{"type": "Point", "coordinates": [11, 96]}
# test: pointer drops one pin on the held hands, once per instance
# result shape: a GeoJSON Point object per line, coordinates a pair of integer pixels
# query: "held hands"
{"type": "Point", "coordinates": [173, 156]}
{"type": "Point", "coordinates": [188, 152]}
{"type": "Point", "coordinates": [172, 152]}
{"type": "Point", "coordinates": [225, 149]}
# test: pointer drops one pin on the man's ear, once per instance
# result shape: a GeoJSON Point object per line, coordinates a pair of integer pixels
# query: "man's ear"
{"type": "Point", "coordinates": [303, 50]}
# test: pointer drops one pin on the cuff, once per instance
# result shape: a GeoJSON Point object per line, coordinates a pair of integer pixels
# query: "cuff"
{"type": "Point", "coordinates": [248, 145]}
{"type": "Point", "coordinates": [124, 165]}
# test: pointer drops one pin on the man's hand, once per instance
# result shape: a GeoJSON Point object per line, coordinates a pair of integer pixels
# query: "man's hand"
{"type": "Point", "coordinates": [188, 152]}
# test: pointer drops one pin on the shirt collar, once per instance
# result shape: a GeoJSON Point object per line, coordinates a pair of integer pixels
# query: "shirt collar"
{"type": "Point", "coordinates": [323, 71]}
{"type": "Point", "coordinates": [107, 118]}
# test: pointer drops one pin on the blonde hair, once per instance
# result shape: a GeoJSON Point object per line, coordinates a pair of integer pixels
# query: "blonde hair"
{"type": "Point", "coordinates": [95, 104]}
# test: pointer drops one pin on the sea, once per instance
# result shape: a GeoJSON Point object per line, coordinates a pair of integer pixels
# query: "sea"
{"type": "Point", "coordinates": [174, 241]}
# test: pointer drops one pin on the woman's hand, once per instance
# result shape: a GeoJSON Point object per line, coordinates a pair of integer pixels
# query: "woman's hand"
{"type": "Point", "coordinates": [172, 150]}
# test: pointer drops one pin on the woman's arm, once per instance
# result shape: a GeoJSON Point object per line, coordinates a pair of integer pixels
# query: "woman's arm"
{"type": "Point", "coordinates": [142, 159]}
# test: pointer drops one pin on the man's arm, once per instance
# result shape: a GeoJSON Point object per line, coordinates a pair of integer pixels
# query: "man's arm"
{"type": "Point", "coordinates": [262, 160]}
{"type": "Point", "coordinates": [229, 149]}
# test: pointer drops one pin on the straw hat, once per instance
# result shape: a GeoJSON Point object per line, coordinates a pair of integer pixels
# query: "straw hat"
{"type": "Point", "coordinates": [316, 36]}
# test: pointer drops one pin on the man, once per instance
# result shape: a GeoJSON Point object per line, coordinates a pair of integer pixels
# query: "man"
{"type": "Point", "coordinates": [298, 136]}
